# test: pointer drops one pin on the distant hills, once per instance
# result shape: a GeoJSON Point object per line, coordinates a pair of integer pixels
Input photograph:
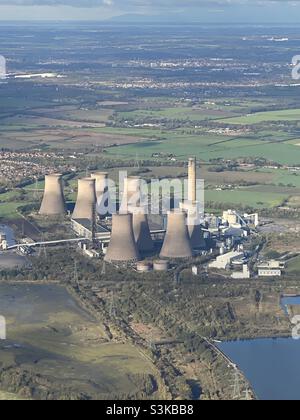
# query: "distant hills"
{"type": "Point", "coordinates": [140, 18]}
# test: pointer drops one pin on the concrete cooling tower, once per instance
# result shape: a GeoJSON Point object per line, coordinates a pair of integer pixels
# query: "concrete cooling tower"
{"type": "Point", "coordinates": [177, 241]}
{"type": "Point", "coordinates": [141, 232]}
{"type": "Point", "coordinates": [131, 194]}
{"type": "Point", "coordinates": [53, 202]}
{"type": "Point", "coordinates": [197, 238]}
{"type": "Point", "coordinates": [86, 199]}
{"type": "Point", "coordinates": [122, 246]}
{"type": "Point", "coordinates": [194, 225]}
{"type": "Point", "coordinates": [101, 191]}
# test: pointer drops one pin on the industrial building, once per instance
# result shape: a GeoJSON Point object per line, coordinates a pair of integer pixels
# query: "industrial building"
{"type": "Point", "coordinates": [53, 203]}
{"type": "Point", "coordinates": [84, 229]}
{"type": "Point", "coordinates": [244, 274]}
{"type": "Point", "coordinates": [271, 268]}
{"type": "Point", "coordinates": [223, 262]}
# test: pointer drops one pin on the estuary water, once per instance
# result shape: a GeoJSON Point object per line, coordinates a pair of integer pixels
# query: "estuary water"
{"type": "Point", "coordinates": [271, 365]}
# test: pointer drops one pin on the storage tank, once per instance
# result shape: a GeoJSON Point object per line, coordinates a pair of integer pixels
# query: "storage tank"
{"type": "Point", "coordinates": [161, 265]}
{"type": "Point", "coordinates": [122, 246]}
{"type": "Point", "coordinates": [53, 203]}
{"type": "Point", "coordinates": [86, 199]}
{"type": "Point", "coordinates": [144, 267]}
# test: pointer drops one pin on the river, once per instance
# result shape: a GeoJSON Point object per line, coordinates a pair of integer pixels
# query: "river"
{"type": "Point", "coordinates": [271, 365]}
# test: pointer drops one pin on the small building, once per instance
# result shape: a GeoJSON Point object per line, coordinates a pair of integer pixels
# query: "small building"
{"type": "Point", "coordinates": [271, 268]}
{"type": "Point", "coordinates": [266, 272]}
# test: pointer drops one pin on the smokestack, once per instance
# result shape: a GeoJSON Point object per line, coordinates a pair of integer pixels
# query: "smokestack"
{"type": "Point", "coordinates": [101, 191]}
{"type": "Point", "coordinates": [53, 202]}
{"type": "Point", "coordinates": [177, 241]}
{"type": "Point", "coordinates": [192, 180]}
{"type": "Point", "coordinates": [141, 231]}
{"type": "Point", "coordinates": [132, 193]}
{"type": "Point", "coordinates": [86, 199]}
{"type": "Point", "coordinates": [122, 246]}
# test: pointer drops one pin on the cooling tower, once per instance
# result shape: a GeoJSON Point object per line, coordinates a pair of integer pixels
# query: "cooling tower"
{"type": "Point", "coordinates": [132, 193]}
{"type": "Point", "coordinates": [122, 246]}
{"type": "Point", "coordinates": [177, 241]}
{"type": "Point", "coordinates": [142, 232]}
{"type": "Point", "coordinates": [86, 199]}
{"type": "Point", "coordinates": [101, 184]}
{"type": "Point", "coordinates": [101, 192]}
{"type": "Point", "coordinates": [53, 202]}
{"type": "Point", "coordinates": [197, 238]}
{"type": "Point", "coordinates": [194, 226]}
{"type": "Point", "coordinates": [192, 180]}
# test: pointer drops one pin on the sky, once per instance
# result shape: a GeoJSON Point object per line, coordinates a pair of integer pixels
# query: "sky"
{"type": "Point", "coordinates": [209, 11]}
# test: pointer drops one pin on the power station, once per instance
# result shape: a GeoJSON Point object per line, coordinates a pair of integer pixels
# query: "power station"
{"type": "Point", "coordinates": [53, 203]}
{"type": "Point", "coordinates": [85, 206]}
{"type": "Point", "coordinates": [126, 236]}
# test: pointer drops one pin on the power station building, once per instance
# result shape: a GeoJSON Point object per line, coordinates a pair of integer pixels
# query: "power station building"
{"type": "Point", "coordinates": [53, 203]}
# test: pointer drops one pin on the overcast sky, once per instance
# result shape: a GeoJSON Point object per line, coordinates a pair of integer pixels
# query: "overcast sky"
{"type": "Point", "coordinates": [202, 10]}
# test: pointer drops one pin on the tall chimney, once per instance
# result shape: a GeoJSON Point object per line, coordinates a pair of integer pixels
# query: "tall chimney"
{"type": "Point", "coordinates": [192, 180]}
{"type": "Point", "coordinates": [122, 246]}
{"type": "Point", "coordinates": [177, 241]}
{"type": "Point", "coordinates": [53, 202]}
{"type": "Point", "coordinates": [86, 199]}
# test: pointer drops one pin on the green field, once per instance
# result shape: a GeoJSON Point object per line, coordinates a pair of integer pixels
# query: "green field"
{"type": "Point", "coordinates": [250, 197]}
{"type": "Point", "coordinates": [293, 266]}
{"type": "Point", "coordinates": [208, 147]}
{"type": "Point", "coordinates": [176, 113]}
{"type": "Point", "coordinates": [260, 117]}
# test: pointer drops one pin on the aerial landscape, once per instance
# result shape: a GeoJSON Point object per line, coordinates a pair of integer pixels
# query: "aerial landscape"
{"type": "Point", "coordinates": [149, 205]}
